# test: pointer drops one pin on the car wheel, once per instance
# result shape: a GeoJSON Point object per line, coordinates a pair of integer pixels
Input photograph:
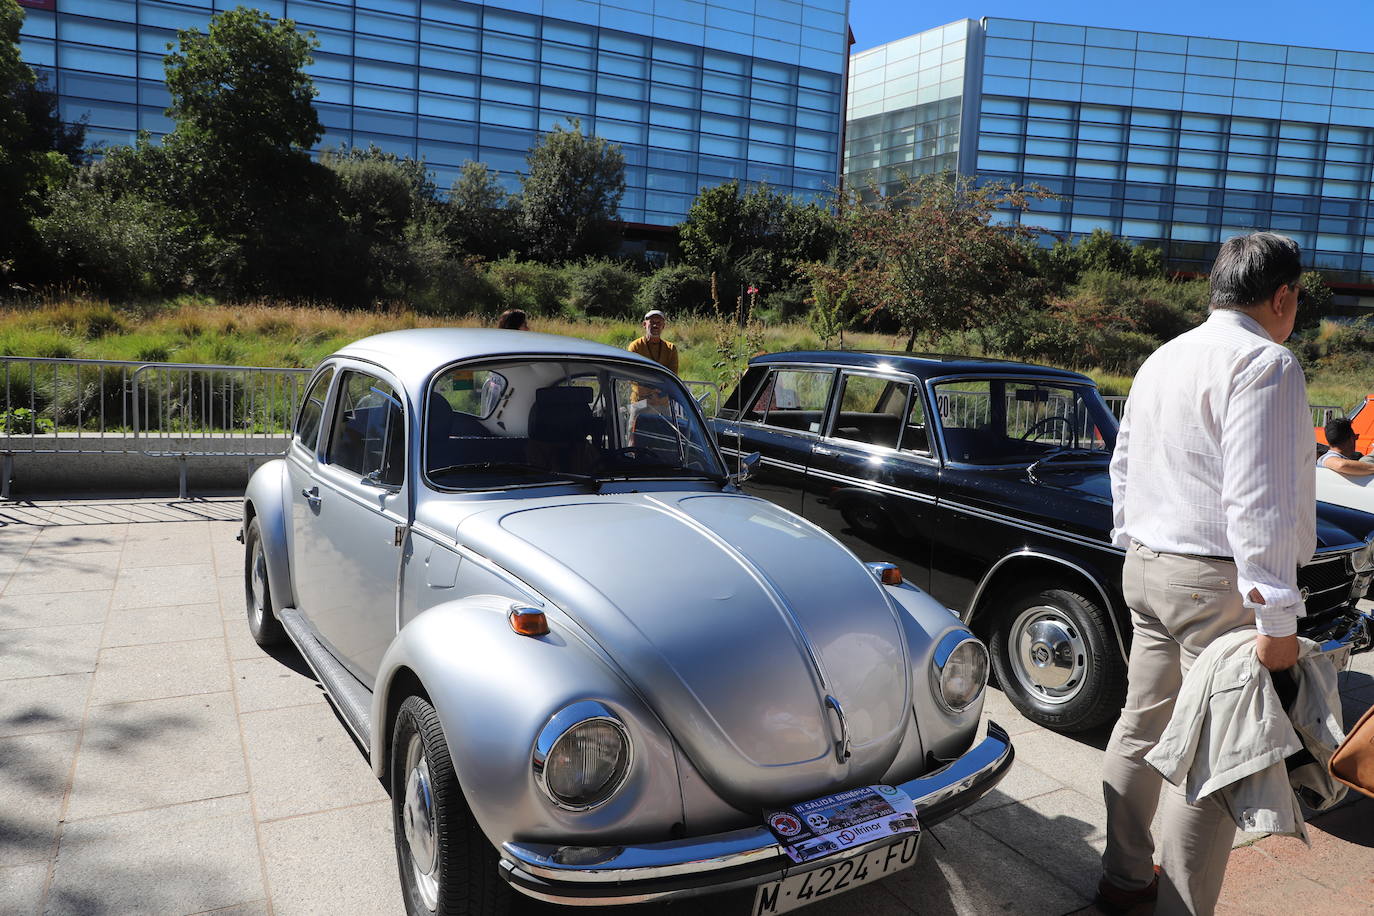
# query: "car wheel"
{"type": "Point", "coordinates": [1055, 658]}
{"type": "Point", "coordinates": [447, 865]}
{"type": "Point", "coordinates": [262, 621]}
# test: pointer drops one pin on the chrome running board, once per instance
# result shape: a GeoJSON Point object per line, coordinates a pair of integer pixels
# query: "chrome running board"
{"type": "Point", "coordinates": [348, 694]}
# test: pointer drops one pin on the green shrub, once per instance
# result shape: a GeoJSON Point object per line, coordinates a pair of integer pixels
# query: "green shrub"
{"type": "Point", "coordinates": [457, 287]}
{"type": "Point", "coordinates": [537, 288]}
{"type": "Point", "coordinates": [678, 290]}
{"type": "Point", "coordinates": [602, 288]}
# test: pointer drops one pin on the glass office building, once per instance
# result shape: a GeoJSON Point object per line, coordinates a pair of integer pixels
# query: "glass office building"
{"type": "Point", "coordinates": [696, 93]}
{"type": "Point", "coordinates": [1175, 141]}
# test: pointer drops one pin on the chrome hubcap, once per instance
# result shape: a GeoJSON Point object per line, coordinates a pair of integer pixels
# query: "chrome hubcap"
{"type": "Point", "coordinates": [421, 830]}
{"type": "Point", "coordinates": [1050, 655]}
{"type": "Point", "coordinates": [258, 583]}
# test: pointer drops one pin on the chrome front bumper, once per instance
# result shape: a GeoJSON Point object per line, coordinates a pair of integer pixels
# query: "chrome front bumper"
{"type": "Point", "coordinates": [618, 875]}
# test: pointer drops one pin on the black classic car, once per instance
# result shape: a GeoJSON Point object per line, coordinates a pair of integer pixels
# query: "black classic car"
{"type": "Point", "coordinates": [986, 482]}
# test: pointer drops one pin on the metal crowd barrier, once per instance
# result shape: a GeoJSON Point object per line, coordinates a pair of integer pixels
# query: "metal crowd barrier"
{"type": "Point", "coordinates": [182, 411]}
{"type": "Point", "coordinates": [73, 406]}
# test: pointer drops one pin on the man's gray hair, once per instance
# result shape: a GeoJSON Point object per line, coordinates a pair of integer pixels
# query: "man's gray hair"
{"type": "Point", "coordinates": [1250, 268]}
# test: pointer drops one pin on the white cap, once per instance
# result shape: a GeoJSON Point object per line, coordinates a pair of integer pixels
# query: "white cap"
{"type": "Point", "coordinates": [652, 312]}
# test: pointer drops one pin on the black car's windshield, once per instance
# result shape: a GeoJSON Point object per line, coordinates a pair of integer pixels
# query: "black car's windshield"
{"type": "Point", "coordinates": [1019, 421]}
{"type": "Point", "coordinates": [519, 422]}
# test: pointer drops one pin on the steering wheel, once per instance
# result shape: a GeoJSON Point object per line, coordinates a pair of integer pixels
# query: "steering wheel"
{"type": "Point", "coordinates": [632, 453]}
{"type": "Point", "coordinates": [1046, 423]}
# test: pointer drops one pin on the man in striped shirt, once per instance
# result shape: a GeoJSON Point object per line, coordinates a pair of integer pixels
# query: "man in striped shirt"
{"type": "Point", "coordinates": [1215, 505]}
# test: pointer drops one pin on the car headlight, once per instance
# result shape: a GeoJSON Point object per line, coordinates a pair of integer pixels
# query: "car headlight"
{"type": "Point", "coordinates": [1360, 560]}
{"type": "Point", "coordinates": [959, 670]}
{"type": "Point", "coordinates": [582, 756]}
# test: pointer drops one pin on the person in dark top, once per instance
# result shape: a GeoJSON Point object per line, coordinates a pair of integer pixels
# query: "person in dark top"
{"type": "Point", "coordinates": [513, 320]}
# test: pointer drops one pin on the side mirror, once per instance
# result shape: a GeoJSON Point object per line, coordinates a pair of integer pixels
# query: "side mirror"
{"type": "Point", "coordinates": [746, 468]}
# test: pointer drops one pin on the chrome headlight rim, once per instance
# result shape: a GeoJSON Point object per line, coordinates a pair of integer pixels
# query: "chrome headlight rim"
{"type": "Point", "coordinates": [561, 725]}
{"type": "Point", "coordinates": [944, 651]}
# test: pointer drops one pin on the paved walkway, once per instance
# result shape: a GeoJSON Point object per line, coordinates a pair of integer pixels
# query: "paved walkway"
{"type": "Point", "coordinates": [154, 760]}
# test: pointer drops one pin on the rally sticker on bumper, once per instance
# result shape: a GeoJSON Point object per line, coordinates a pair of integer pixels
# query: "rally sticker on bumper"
{"type": "Point", "coordinates": [815, 828]}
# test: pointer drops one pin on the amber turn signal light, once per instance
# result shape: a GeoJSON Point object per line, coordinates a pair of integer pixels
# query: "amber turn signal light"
{"type": "Point", "coordinates": [886, 573]}
{"type": "Point", "coordinates": [528, 622]}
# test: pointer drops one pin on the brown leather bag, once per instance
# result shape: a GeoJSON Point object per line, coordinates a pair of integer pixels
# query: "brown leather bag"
{"type": "Point", "coordinates": [1353, 762]}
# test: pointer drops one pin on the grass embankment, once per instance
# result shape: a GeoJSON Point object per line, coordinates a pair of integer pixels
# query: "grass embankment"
{"type": "Point", "coordinates": [202, 331]}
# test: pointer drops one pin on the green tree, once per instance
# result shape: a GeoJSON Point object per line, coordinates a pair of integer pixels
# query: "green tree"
{"type": "Point", "coordinates": [754, 237]}
{"type": "Point", "coordinates": [932, 258]}
{"type": "Point", "coordinates": [570, 199]}
{"type": "Point", "coordinates": [33, 144]}
{"type": "Point", "coordinates": [1063, 264]}
{"type": "Point", "coordinates": [482, 218]}
{"type": "Point", "coordinates": [1315, 302]}
{"type": "Point", "coordinates": [238, 157]}
{"type": "Point", "coordinates": [242, 86]}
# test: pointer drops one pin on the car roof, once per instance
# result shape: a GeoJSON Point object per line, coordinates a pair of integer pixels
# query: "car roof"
{"type": "Point", "coordinates": [922, 365]}
{"type": "Point", "coordinates": [414, 354]}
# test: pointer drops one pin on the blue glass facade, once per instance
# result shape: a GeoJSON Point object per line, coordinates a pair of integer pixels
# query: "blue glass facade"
{"type": "Point", "coordinates": [695, 93]}
{"type": "Point", "coordinates": [1175, 141]}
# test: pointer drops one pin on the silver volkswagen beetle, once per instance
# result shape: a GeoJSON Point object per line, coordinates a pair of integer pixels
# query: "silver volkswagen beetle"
{"type": "Point", "coordinates": [586, 666]}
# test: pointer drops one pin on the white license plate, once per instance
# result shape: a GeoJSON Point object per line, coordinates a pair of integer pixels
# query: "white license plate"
{"type": "Point", "coordinates": [835, 877]}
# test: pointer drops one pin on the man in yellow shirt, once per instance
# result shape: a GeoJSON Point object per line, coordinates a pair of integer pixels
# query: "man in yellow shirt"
{"type": "Point", "coordinates": [652, 345]}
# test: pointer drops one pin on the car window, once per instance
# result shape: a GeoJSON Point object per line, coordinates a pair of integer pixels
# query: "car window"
{"type": "Point", "coordinates": [560, 419]}
{"type": "Point", "coordinates": [915, 438]}
{"type": "Point", "coordinates": [368, 433]}
{"type": "Point", "coordinates": [1013, 421]}
{"type": "Point", "coordinates": [307, 430]}
{"type": "Point", "coordinates": [870, 410]}
{"type": "Point", "coordinates": [734, 403]}
{"type": "Point", "coordinates": [476, 392]}
{"type": "Point", "coordinates": [793, 399]}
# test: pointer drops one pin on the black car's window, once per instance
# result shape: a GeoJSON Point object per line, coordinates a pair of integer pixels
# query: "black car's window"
{"type": "Point", "coordinates": [747, 385]}
{"type": "Point", "coordinates": [1008, 421]}
{"type": "Point", "coordinates": [793, 399]}
{"type": "Point", "coordinates": [914, 435]}
{"type": "Point", "coordinates": [368, 433]}
{"type": "Point", "coordinates": [312, 411]}
{"type": "Point", "coordinates": [871, 410]}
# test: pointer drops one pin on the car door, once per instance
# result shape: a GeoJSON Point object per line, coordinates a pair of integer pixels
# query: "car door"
{"type": "Point", "coordinates": [349, 512]}
{"type": "Point", "coordinates": [872, 478]}
{"type": "Point", "coordinates": [781, 422]}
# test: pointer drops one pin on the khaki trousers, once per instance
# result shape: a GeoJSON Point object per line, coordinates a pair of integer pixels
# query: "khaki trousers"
{"type": "Point", "coordinates": [1179, 605]}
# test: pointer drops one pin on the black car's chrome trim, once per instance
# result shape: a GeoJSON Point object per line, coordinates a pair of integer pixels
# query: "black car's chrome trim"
{"type": "Point", "coordinates": [1035, 554]}
{"type": "Point", "coordinates": [1031, 526]}
{"type": "Point", "coordinates": [874, 485]}
{"type": "Point", "coordinates": [619, 875]}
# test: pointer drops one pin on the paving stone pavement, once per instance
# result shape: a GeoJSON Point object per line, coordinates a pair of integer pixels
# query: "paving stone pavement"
{"type": "Point", "coordinates": [154, 760]}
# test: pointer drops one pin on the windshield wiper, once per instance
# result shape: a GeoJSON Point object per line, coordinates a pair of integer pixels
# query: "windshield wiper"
{"type": "Point", "coordinates": [657, 468]}
{"type": "Point", "coordinates": [585, 479]}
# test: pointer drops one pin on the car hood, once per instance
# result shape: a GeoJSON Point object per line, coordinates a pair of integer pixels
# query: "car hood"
{"type": "Point", "coordinates": [734, 619]}
{"type": "Point", "coordinates": [1337, 527]}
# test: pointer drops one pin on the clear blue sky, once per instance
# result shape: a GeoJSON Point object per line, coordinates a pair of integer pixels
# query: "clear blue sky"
{"type": "Point", "coordinates": [1342, 24]}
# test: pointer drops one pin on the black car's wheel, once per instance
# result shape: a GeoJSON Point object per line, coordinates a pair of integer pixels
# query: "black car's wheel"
{"type": "Point", "coordinates": [447, 866]}
{"type": "Point", "coordinates": [262, 621]}
{"type": "Point", "coordinates": [1056, 659]}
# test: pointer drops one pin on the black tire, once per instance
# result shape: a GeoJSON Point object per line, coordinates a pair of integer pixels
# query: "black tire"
{"type": "Point", "coordinates": [1042, 633]}
{"type": "Point", "coordinates": [262, 618]}
{"type": "Point", "coordinates": [461, 877]}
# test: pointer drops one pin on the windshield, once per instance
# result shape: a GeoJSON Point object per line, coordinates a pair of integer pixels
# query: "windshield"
{"type": "Point", "coordinates": [1015, 421]}
{"type": "Point", "coordinates": [535, 421]}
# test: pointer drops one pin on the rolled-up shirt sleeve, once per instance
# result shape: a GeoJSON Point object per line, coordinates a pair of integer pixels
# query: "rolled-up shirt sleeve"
{"type": "Point", "coordinates": [1270, 508]}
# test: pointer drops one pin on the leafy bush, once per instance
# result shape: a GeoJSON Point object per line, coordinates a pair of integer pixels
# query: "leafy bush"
{"type": "Point", "coordinates": [458, 286]}
{"type": "Point", "coordinates": [20, 421]}
{"type": "Point", "coordinates": [122, 246]}
{"type": "Point", "coordinates": [678, 290]}
{"type": "Point", "coordinates": [602, 288]}
{"type": "Point", "coordinates": [537, 288]}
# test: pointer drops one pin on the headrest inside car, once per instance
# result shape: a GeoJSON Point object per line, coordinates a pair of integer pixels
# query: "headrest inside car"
{"type": "Point", "coordinates": [561, 414]}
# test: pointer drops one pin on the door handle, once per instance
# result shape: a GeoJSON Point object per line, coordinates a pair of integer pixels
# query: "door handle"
{"type": "Point", "coordinates": [822, 450]}
{"type": "Point", "coordinates": [312, 495]}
